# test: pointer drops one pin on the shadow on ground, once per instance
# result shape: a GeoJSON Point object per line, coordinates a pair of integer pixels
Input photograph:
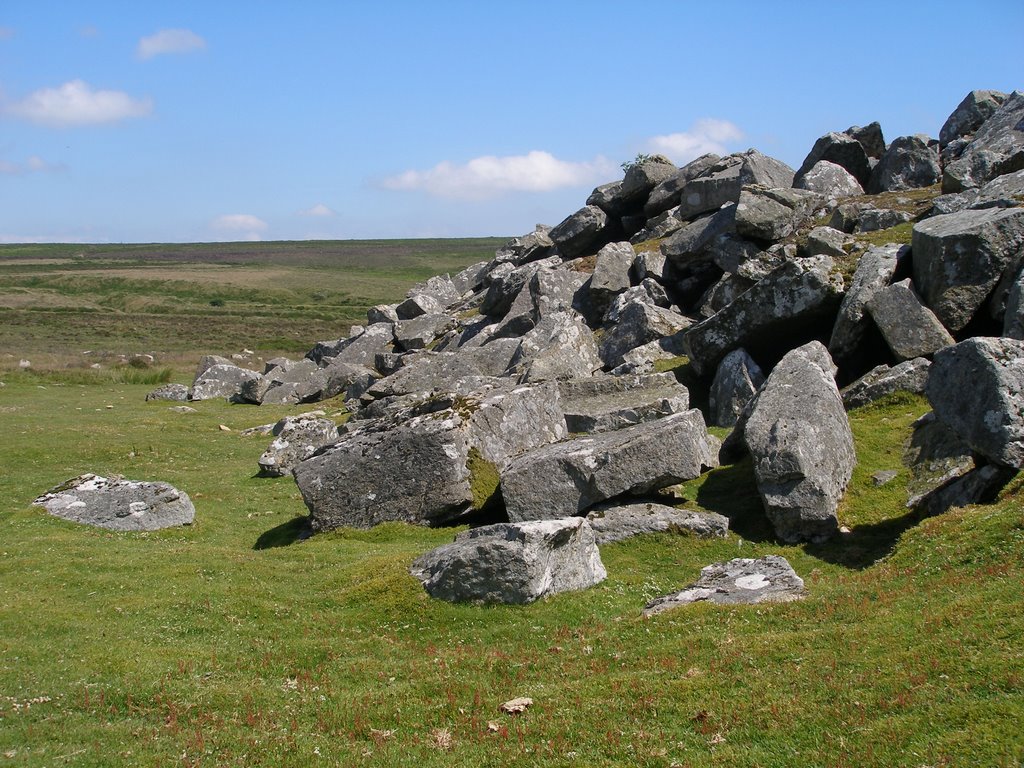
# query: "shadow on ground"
{"type": "Point", "coordinates": [286, 534]}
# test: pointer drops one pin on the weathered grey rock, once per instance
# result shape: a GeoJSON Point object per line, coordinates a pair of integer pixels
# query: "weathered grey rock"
{"type": "Point", "coordinates": [382, 313]}
{"type": "Point", "coordinates": [689, 242]}
{"type": "Point", "coordinates": [569, 477]}
{"type": "Point", "coordinates": [611, 273]}
{"type": "Point", "coordinates": [581, 233]}
{"type": "Point", "coordinates": [769, 579]}
{"type": "Point", "coordinates": [650, 264]}
{"type": "Point", "coordinates": [910, 328]}
{"type": "Point", "coordinates": [208, 361]}
{"type": "Point", "coordinates": [875, 219]}
{"type": "Point", "coordinates": [623, 521]}
{"type": "Point", "coordinates": [910, 162]}
{"type": "Point", "coordinates": [827, 241]}
{"type": "Point", "coordinates": [980, 485]}
{"type": "Point", "coordinates": [425, 466]}
{"type": "Point", "coordinates": [729, 253]}
{"type": "Point", "coordinates": [882, 380]}
{"type": "Point", "coordinates": [356, 350]}
{"type": "Point", "coordinates": [846, 215]}
{"type": "Point", "coordinates": [935, 455]}
{"type": "Point", "coordinates": [118, 504]}
{"type": "Point", "coordinates": [661, 226]}
{"type": "Point", "coordinates": [182, 409]}
{"type": "Point", "coordinates": [977, 388]}
{"type": "Point", "coordinates": [883, 477]}
{"type": "Point", "coordinates": [711, 191]}
{"type": "Point", "coordinates": [638, 323]}
{"type": "Point", "coordinates": [1006, 191]}
{"type": "Point", "coordinates": [296, 438]}
{"type": "Point", "coordinates": [419, 304]}
{"type": "Point", "coordinates": [959, 258]}
{"type": "Point", "coordinates": [842, 150]}
{"type": "Point", "coordinates": [830, 181]}
{"type": "Point", "coordinates": [870, 137]}
{"type": "Point", "coordinates": [799, 292]}
{"type": "Point", "coordinates": [421, 331]}
{"type": "Point", "coordinates": [641, 179]}
{"type": "Point", "coordinates": [736, 381]}
{"type": "Point", "coordinates": [513, 563]}
{"type": "Point", "coordinates": [606, 403]}
{"type": "Point", "coordinates": [969, 115]}
{"type": "Point", "coordinates": [529, 247]}
{"type": "Point", "coordinates": [801, 444]}
{"type": "Point", "coordinates": [506, 285]}
{"type": "Point", "coordinates": [339, 378]}
{"type": "Point", "coordinates": [667, 193]}
{"type": "Point", "coordinates": [608, 197]}
{"type": "Point", "coordinates": [1013, 321]}
{"type": "Point", "coordinates": [874, 271]}
{"type": "Point", "coordinates": [560, 346]}
{"type": "Point", "coordinates": [996, 148]}
{"type": "Point", "coordinates": [426, 371]}
{"type": "Point", "coordinates": [766, 171]}
{"type": "Point", "coordinates": [954, 202]}
{"type": "Point", "coordinates": [221, 381]}
{"type": "Point", "coordinates": [648, 292]}
{"type": "Point", "coordinates": [174, 392]}
{"type": "Point", "coordinates": [768, 215]}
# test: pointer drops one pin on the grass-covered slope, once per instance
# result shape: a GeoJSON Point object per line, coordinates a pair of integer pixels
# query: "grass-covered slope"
{"type": "Point", "coordinates": [231, 643]}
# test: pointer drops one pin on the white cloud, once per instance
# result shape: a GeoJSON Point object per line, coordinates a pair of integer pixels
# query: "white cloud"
{"type": "Point", "coordinates": [488, 176]}
{"type": "Point", "coordinates": [243, 226]}
{"type": "Point", "coordinates": [706, 135]}
{"type": "Point", "coordinates": [76, 103]}
{"type": "Point", "coordinates": [33, 164]}
{"type": "Point", "coordinates": [170, 41]}
{"type": "Point", "coordinates": [317, 210]}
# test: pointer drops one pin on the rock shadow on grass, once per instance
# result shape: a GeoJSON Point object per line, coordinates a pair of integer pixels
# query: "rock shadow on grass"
{"type": "Point", "coordinates": [285, 534]}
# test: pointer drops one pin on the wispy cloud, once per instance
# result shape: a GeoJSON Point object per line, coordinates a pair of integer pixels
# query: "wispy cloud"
{"type": "Point", "coordinates": [77, 103]}
{"type": "Point", "coordinates": [488, 176]}
{"type": "Point", "coordinates": [33, 164]}
{"type": "Point", "coordinates": [317, 210]}
{"type": "Point", "coordinates": [170, 41]}
{"type": "Point", "coordinates": [243, 226]}
{"type": "Point", "coordinates": [706, 135]}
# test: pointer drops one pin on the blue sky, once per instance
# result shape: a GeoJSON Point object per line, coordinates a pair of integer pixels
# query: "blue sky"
{"type": "Point", "coordinates": [200, 121]}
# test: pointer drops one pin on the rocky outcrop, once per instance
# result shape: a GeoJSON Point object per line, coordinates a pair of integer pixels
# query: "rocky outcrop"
{"type": "Point", "coordinates": [882, 380]}
{"type": "Point", "coordinates": [173, 392]}
{"type": "Point", "coordinates": [935, 455]}
{"type": "Point", "coordinates": [977, 389]}
{"type": "Point", "coordinates": [736, 382]}
{"type": "Point", "coordinates": [513, 562]}
{"type": "Point", "coordinates": [874, 271]}
{"type": "Point", "coordinates": [830, 181]}
{"type": "Point", "coordinates": [801, 444]}
{"type": "Point", "coordinates": [118, 504]}
{"type": "Point", "coordinates": [841, 149]}
{"type": "Point", "coordinates": [607, 403]}
{"type": "Point", "coordinates": [744, 580]}
{"type": "Point", "coordinates": [997, 147]}
{"type": "Point", "coordinates": [910, 328]}
{"type": "Point", "coordinates": [910, 162]}
{"type": "Point", "coordinates": [221, 381]}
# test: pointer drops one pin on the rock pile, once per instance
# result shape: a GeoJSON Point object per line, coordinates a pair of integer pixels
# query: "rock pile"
{"type": "Point", "coordinates": [521, 389]}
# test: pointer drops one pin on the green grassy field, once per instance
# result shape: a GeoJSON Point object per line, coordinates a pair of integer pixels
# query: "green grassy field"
{"type": "Point", "coordinates": [232, 642]}
{"type": "Point", "coordinates": [60, 301]}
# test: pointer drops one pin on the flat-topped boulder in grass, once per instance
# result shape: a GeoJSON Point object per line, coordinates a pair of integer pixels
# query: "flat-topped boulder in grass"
{"type": "Point", "coordinates": [513, 563]}
{"type": "Point", "coordinates": [296, 438]}
{"type": "Point", "coordinates": [118, 504]}
{"type": "Point", "coordinates": [769, 579]}
{"type": "Point", "coordinates": [222, 381]}
{"type": "Point", "coordinates": [605, 403]}
{"type": "Point", "coordinates": [622, 521]}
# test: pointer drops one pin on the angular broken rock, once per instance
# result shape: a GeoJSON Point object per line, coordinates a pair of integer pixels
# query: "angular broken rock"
{"type": "Point", "coordinates": [221, 381]}
{"type": "Point", "coordinates": [611, 273]}
{"type": "Point", "coordinates": [569, 477]}
{"type": "Point", "coordinates": [606, 403]}
{"type": "Point", "coordinates": [173, 392]}
{"type": "Point", "coordinates": [616, 523]}
{"type": "Point", "coordinates": [910, 328]}
{"type": "Point", "coordinates": [800, 440]}
{"type": "Point", "coordinates": [980, 485]}
{"type": "Point", "coordinates": [431, 465]}
{"type": "Point", "coordinates": [736, 381]}
{"type": "Point", "coordinates": [910, 162]}
{"type": "Point", "coordinates": [769, 579]}
{"type": "Point", "coordinates": [970, 115]}
{"type": "Point", "coordinates": [638, 323]}
{"type": "Point", "coordinates": [959, 258]}
{"type": "Point", "coordinates": [296, 438]}
{"type": "Point", "coordinates": [996, 148]}
{"type": "Point", "coordinates": [908, 376]}
{"type": "Point", "coordinates": [976, 387]}
{"type": "Point", "coordinates": [513, 563]}
{"type": "Point", "coordinates": [830, 181]}
{"type": "Point", "coordinates": [581, 233]}
{"type": "Point", "coordinates": [874, 271]}
{"type": "Point", "coordinates": [841, 149]}
{"type": "Point", "coordinates": [935, 455]}
{"type": "Point", "coordinates": [799, 292]}
{"type": "Point", "coordinates": [118, 504]}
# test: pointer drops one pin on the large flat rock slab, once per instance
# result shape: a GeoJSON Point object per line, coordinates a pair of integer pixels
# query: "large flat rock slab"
{"type": "Point", "coordinates": [118, 504]}
{"type": "Point", "coordinates": [744, 580]}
